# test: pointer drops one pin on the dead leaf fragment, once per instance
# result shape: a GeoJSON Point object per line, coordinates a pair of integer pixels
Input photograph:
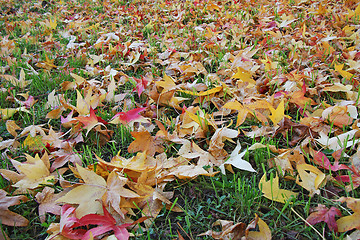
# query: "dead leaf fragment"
{"type": "Point", "coordinates": [8, 217]}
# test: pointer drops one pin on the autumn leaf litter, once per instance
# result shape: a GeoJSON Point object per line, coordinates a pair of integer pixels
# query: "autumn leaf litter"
{"type": "Point", "coordinates": [197, 87]}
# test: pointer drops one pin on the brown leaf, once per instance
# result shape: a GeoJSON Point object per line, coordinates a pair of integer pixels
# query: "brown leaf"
{"type": "Point", "coordinates": [8, 217]}
{"type": "Point", "coordinates": [47, 204]}
{"type": "Point", "coordinates": [229, 230]}
{"type": "Point", "coordinates": [144, 142]}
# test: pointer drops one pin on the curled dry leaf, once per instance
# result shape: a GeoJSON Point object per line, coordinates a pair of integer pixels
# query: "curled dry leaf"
{"type": "Point", "coordinates": [229, 230]}
{"type": "Point", "coordinates": [8, 217]}
{"type": "Point", "coordinates": [312, 178]}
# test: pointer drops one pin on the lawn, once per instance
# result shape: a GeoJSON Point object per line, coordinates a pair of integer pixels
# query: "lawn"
{"type": "Point", "coordinates": [179, 119]}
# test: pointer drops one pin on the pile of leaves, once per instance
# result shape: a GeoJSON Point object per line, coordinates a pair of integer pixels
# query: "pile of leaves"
{"type": "Point", "coordinates": [190, 83]}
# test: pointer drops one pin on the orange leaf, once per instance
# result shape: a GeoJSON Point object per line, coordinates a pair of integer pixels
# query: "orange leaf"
{"type": "Point", "coordinates": [144, 142]}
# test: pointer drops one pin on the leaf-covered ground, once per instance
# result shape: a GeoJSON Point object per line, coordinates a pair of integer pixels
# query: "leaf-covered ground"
{"type": "Point", "coordinates": [179, 119]}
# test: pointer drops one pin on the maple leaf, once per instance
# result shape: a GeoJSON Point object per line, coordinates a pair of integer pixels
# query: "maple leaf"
{"type": "Point", "coordinates": [340, 115]}
{"type": "Point", "coordinates": [141, 84]}
{"type": "Point", "coordinates": [300, 99]}
{"type": "Point", "coordinates": [126, 117]}
{"type": "Point", "coordinates": [151, 199]}
{"type": "Point", "coordinates": [272, 191]}
{"type": "Point", "coordinates": [218, 139]}
{"type": "Point", "coordinates": [166, 85]}
{"type": "Point", "coordinates": [21, 83]}
{"type": "Point", "coordinates": [11, 127]}
{"type": "Point", "coordinates": [321, 159]}
{"type": "Point", "coordinates": [343, 73]}
{"type": "Point", "coordinates": [323, 214]}
{"type": "Point", "coordinates": [343, 140]}
{"type": "Point", "coordinates": [6, 113]}
{"type": "Point", "coordinates": [105, 224]}
{"type": "Point", "coordinates": [8, 217]}
{"type": "Point", "coordinates": [243, 110]}
{"type": "Point", "coordinates": [73, 228]}
{"type": "Point", "coordinates": [46, 200]}
{"type": "Point", "coordinates": [115, 191]}
{"type": "Point", "coordinates": [236, 160]}
{"type": "Point", "coordinates": [91, 121]}
{"type": "Point", "coordinates": [139, 163]}
{"type": "Point", "coordinates": [245, 76]}
{"type": "Point", "coordinates": [277, 114]}
{"type": "Point", "coordinates": [285, 161]}
{"type": "Point", "coordinates": [144, 142]}
{"type": "Point", "coordinates": [65, 154]}
{"type": "Point", "coordinates": [34, 173]}
{"type": "Point", "coordinates": [86, 195]}
{"type": "Point", "coordinates": [68, 221]}
{"type": "Point", "coordinates": [47, 64]}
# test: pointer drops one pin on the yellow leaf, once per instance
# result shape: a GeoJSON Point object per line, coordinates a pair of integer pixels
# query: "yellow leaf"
{"type": "Point", "coordinates": [264, 232]}
{"type": "Point", "coordinates": [52, 23]}
{"type": "Point", "coordinates": [34, 143]}
{"type": "Point", "coordinates": [7, 113]}
{"type": "Point", "coordinates": [167, 84]}
{"type": "Point", "coordinates": [353, 221]}
{"type": "Point", "coordinates": [244, 75]}
{"type": "Point", "coordinates": [277, 114]}
{"type": "Point", "coordinates": [272, 191]}
{"type": "Point", "coordinates": [343, 73]}
{"type": "Point", "coordinates": [11, 127]}
{"type": "Point", "coordinates": [205, 93]}
{"type": "Point", "coordinates": [242, 111]}
{"type": "Point", "coordinates": [88, 194]}
{"type": "Point", "coordinates": [312, 178]}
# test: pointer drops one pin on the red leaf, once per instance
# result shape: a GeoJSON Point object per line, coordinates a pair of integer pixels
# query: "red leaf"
{"type": "Point", "coordinates": [321, 159]}
{"type": "Point", "coordinates": [105, 224]}
{"type": "Point", "coordinates": [141, 84]}
{"type": "Point", "coordinates": [90, 121]}
{"type": "Point", "coordinates": [68, 223]}
{"type": "Point", "coordinates": [125, 117]}
{"type": "Point", "coordinates": [323, 214]}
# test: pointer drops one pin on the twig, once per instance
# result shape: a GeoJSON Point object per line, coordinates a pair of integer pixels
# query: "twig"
{"type": "Point", "coordinates": [297, 214]}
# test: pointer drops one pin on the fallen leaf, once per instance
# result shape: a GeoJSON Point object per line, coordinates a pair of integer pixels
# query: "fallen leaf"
{"type": "Point", "coordinates": [86, 195]}
{"type": "Point", "coordinates": [349, 222]}
{"type": "Point", "coordinates": [116, 191]}
{"type": "Point", "coordinates": [11, 127]}
{"type": "Point", "coordinates": [236, 160]}
{"type": "Point", "coordinates": [312, 178]}
{"type": "Point", "coordinates": [218, 139]}
{"type": "Point", "coordinates": [47, 204]}
{"type": "Point", "coordinates": [244, 76]}
{"type": "Point", "coordinates": [229, 230]}
{"type": "Point", "coordinates": [321, 159]}
{"type": "Point", "coordinates": [144, 142]}
{"type": "Point", "coordinates": [264, 232]}
{"type": "Point", "coordinates": [8, 217]}
{"type": "Point", "coordinates": [277, 114]}
{"type": "Point", "coordinates": [323, 214]}
{"type": "Point", "coordinates": [90, 121]}
{"type": "Point", "coordinates": [126, 117]}
{"type": "Point", "coordinates": [272, 191]}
